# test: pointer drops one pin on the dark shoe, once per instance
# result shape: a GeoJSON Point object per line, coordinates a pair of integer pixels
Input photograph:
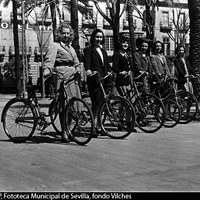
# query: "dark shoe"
{"type": "Point", "coordinates": [119, 127]}
{"type": "Point", "coordinates": [100, 132]}
{"type": "Point", "coordinates": [129, 125]}
{"type": "Point", "coordinates": [94, 135]}
{"type": "Point", "coordinates": [134, 130]}
{"type": "Point", "coordinates": [65, 137]}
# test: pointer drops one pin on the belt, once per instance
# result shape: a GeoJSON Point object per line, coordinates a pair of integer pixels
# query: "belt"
{"type": "Point", "coordinates": [64, 63]}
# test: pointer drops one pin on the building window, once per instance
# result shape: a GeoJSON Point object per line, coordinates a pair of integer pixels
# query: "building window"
{"type": "Point", "coordinates": [109, 46]}
{"type": "Point", "coordinates": [165, 18]}
{"type": "Point", "coordinates": [88, 15]}
{"type": "Point", "coordinates": [166, 44]}
{"type": "Point", "coordinates": [182, 20]}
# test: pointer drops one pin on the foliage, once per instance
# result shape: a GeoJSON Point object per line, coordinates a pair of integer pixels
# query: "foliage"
{"type": "Point", "coordinates": [8, 69]}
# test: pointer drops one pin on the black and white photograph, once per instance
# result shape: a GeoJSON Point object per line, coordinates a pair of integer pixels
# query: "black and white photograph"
{"type": "Point", "coordinates": [99, 99]}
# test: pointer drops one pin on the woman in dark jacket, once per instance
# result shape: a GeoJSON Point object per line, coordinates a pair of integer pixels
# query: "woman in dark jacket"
{"type": "Point", "coordinates": [96, 59]}
{"type": "Point", "coordinates": [183, 69]}
{"type": "Point", "coordinates": [141, 61]}
{"type": "Point", "coordinates": [122, 65]}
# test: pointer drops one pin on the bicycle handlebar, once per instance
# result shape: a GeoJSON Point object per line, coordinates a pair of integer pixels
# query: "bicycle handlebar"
{"type": "Point", "coordinates": [98, 74]}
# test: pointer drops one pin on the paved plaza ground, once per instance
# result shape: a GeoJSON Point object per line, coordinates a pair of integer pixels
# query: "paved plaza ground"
{"type": "Point", "coordinates": [168, 160]}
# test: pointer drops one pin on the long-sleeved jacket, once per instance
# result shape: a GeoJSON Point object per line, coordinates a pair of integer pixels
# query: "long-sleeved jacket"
{"type": "Point", "coordinates": [93, 62]}
{"type": "Point", "coordinates": [141, 63]}
{"type": "Point", "coordinates": [61, 57]}
{"type": "Point", "coordinates": [121, 63]}
{"type": "Point", "coordinates": [180, 69]}
{"type": "Point", "coordinates": [159, 67]}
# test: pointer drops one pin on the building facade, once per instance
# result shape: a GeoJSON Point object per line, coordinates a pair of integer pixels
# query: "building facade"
{"type": "Point", "coordinates": [168, 27]}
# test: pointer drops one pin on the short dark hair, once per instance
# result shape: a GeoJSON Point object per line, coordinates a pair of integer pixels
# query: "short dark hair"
{"type": "Point", "coordinates": [178, 47]}
{"type": "Point", "coordinates": [123, 39]}
{"type": "Point", "coordinates": [94, 33]}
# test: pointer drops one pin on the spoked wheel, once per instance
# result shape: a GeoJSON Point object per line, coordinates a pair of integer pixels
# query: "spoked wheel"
{"type": "Point", "coordinates": [117, 117]}
{"type": "Point", "coordinates": [79, 121]}
{"type": "Point", "coordinates": [172, 113]}
{"type": "Point", "coordinates": [150, 113]}
{"type": "Point", "coordinates": [188, 104]}
{"type": "Point", "coordinates": [54, 115]}
{"type": "Point", "coordinates": [19, 119]}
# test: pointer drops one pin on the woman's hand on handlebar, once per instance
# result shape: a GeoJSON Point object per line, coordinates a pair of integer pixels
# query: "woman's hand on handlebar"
{"type": "Point", "coordinates": [46, 72]}
{"type": "Point", "coordinates": [91, 73]}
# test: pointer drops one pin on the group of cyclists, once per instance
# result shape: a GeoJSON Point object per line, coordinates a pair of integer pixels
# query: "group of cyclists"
{"type": "Point", "coordinates": [148, 60]}
{"type": "Point", "coordinates": [148, 67]}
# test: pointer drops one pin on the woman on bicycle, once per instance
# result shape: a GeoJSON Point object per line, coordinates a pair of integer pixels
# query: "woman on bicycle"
{"type": "Point", "coordinates": [96, 59]}
{"type": "Point", "coordinates": [141, 61]}
{"type": "Point", "coordinates": [183, 69]}
{"type": "Point", "coordinates": [122, 66]}
{"type": "Point", "coordinates": [62, 58]}
{"type": "Point", "coordinates": [159, 64]}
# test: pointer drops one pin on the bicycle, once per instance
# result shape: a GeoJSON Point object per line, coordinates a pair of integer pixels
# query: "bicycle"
{"type": "Point", "coordinates": [172, 108]}
{"type": "Point", "coordinates": [150, 111]}
{"type": "Point", "coordinates": [22, 116]}
{"type": "Point", "coordinates": [185, 100]}
{"type": "Point", "coordinates": [116, 115]}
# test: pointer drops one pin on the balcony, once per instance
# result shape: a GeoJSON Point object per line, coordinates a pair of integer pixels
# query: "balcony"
{"type": "Point", "coordinates": [126, 25]}
{"type": "Point", "coordinates": [2, 50]}
{"type": "Point", "coordinates": [88, 23]}
{"type": "Point", "coordinates": [183, 28]}
{"type": "Point", "coordinates": [43, 21]}
{"type": "Point", "coordinates": [165, 27]}
{"type": "Point", "coordinates": [12, 50]}
{"type": "Point", "coordinates": [106, 25]}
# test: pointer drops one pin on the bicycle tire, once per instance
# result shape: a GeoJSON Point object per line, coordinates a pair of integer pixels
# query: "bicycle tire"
{"type": "Point", "coordinates": [117, 117]}
{"type": "Point", "coordinates": [19, 119]}
{"type": "Point", "coordinates": [79, 121]}
{"type": "Point", "coordinates": [172, 113]}
{"type": "Point", "coordinates": [150, 113]}
{"type": "Point", "coordinates": [188, 104]}
{"type": "Point", "coordinates": [87, 99]}
{"type": "Point", "coordinates": [54, 115]}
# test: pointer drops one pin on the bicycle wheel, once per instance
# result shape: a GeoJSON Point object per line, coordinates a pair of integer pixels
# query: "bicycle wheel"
{"type": "Point", "coordinates": [19, 119]}
{"type": "Point", "coordinates": [172, 113]}
{"type": "Point", "coordinates": [79, 121]}
{"type": "Point", "coordinates": [188, 104]}
{"type": "Point", "coordinates": [117, 117]}
{"type": "Point", "coordinates": [87, 99]}
{"type": "Point", "coordinates": [54, 115]}
{"type": "Point", "coordinates": [150, 113]}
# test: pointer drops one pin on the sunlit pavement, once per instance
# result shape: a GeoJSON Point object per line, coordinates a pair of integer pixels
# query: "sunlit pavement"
{"type": "Point", "coordinates": [167, 160]}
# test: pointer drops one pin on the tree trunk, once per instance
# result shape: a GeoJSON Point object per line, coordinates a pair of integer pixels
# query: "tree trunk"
{"type": "Point", "coordinates": [194, 51]}
{"type": "Point", "coordinates": [131, 28]}
{"type": "Point", "coordinates": [74, 25]}
{"type": "Point", "coordinates": [53, 17]}
{"type": "Point", "coordinates": [16, 44]}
